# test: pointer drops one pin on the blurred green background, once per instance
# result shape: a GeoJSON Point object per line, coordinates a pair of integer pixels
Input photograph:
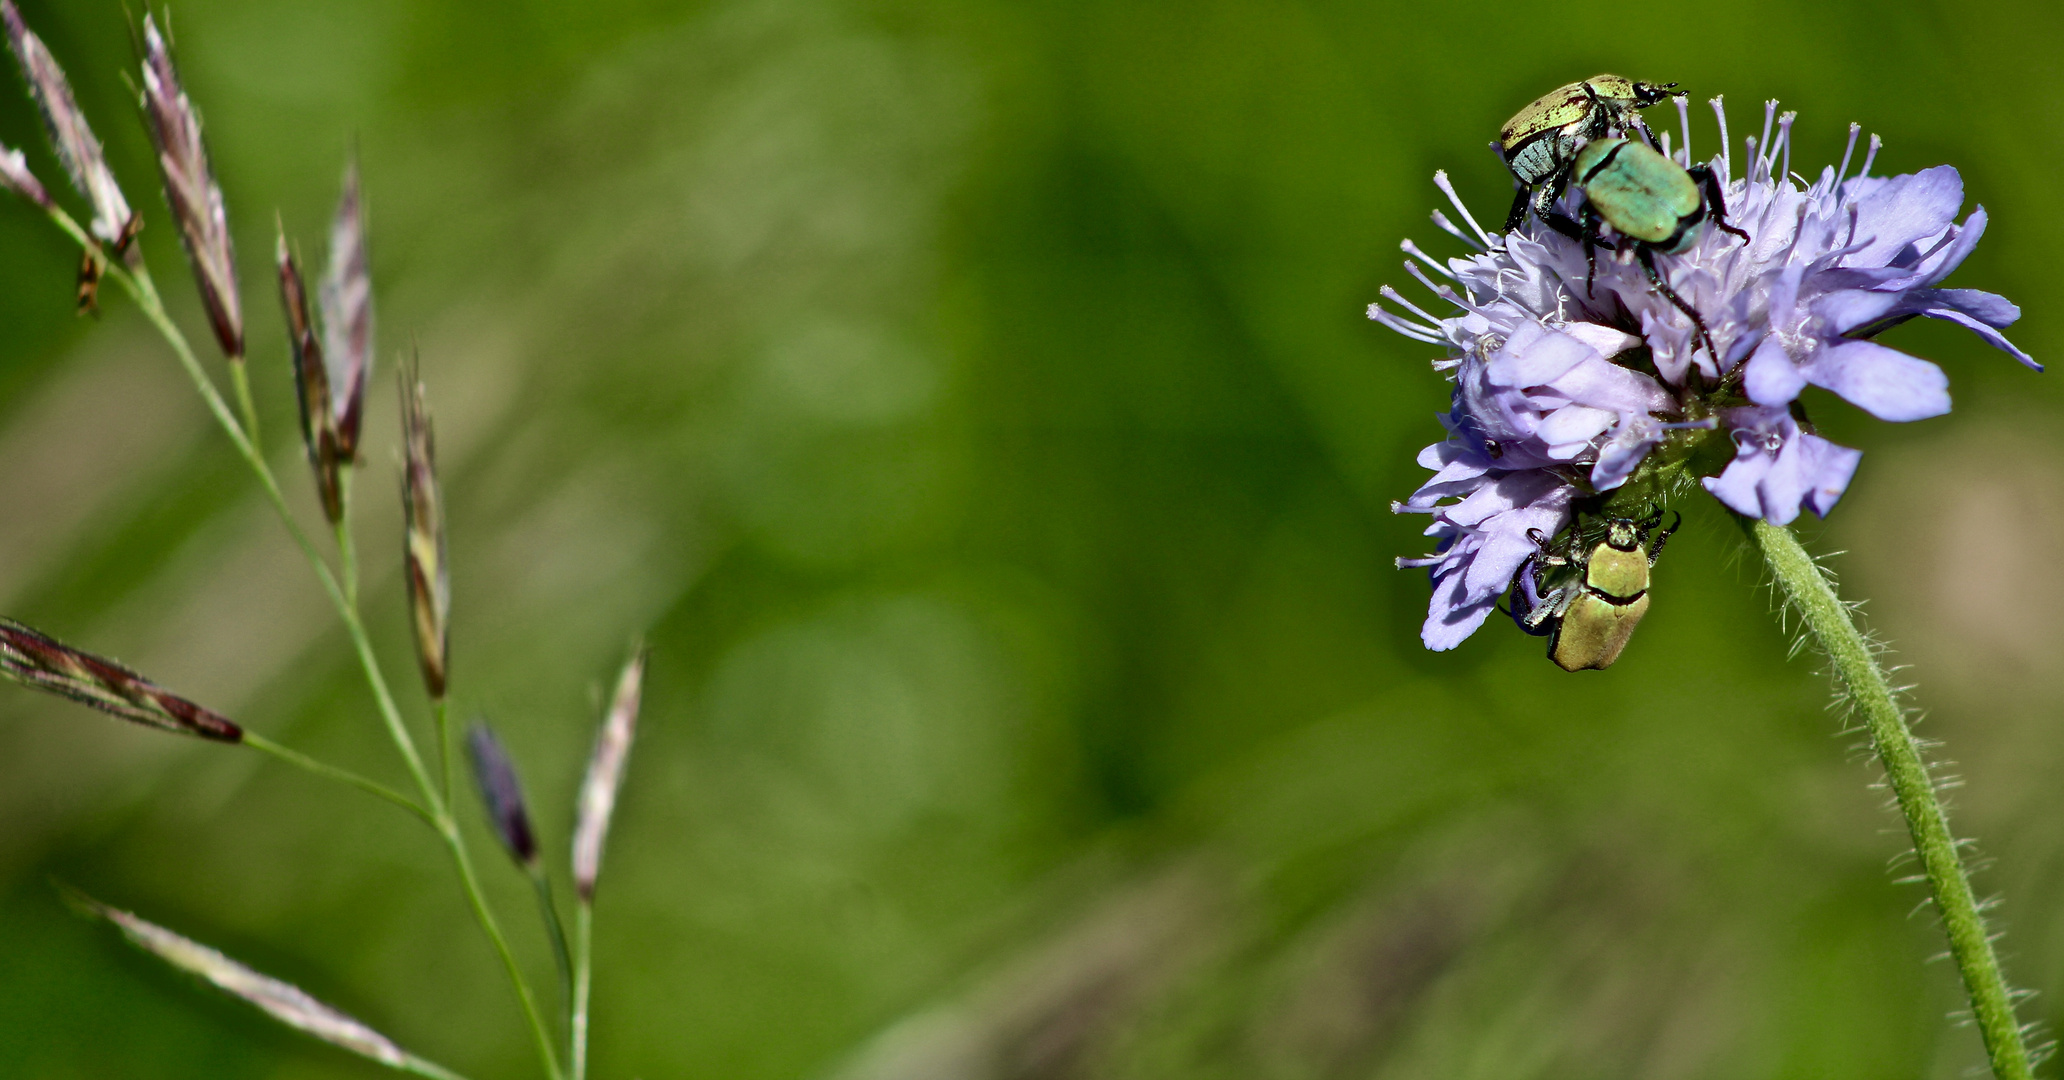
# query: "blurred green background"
{"type": "Point", "coordinates": [972, 405]}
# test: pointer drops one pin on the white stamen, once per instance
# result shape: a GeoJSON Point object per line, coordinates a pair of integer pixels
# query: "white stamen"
{"type": "Point", "coordinates": [1726, 150]}
{"type": "Point", "coordinates": [1683, 103]}
{"type": "Point", "coordinates": [1441, 222]}
{"type": "Point", "coordinates": [1398, 298]}
{"type": "Point", "coordinates": [1666, 146]}
{"type": "Point", "coordinates": [1436, 266]}
{"type": "Point", "coordinates": [1769, 118]}
{"type": "Point", "coordinates": [1440, 180]}
{"type": "Point", "coordinates": [1784, 135]}
{"type": "Point", "coordinates": [1403, 326]}
{"type": "Point", "coordinates": [1842, 173]}
{"type": "Point", "coordinates": [1869, 156]}
{"type": "Point", "coordinates": [1434, 287]}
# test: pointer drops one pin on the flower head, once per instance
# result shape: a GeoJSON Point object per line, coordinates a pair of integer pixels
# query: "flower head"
{"type": "Point", "coordinates": [1572, 390]}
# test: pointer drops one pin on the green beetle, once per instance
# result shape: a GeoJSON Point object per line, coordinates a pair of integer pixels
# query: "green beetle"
{"type": "Point", "coordinates": [1540, 142]}
{"type": "Point", "coordinates": [1653, 203]}
{"type": "Point", "coordinates": [1589, 617]}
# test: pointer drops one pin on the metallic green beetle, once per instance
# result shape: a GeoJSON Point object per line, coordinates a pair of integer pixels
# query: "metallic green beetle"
{"type": "Point", "coordinates": [1653, 203]}
{"type": "Point", "coordinates": [1541, 141]}
{"type": "Point", "coordinates": [1589, 618]}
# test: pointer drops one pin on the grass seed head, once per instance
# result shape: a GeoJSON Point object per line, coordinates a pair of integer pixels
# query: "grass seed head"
{"type": "Point", "coordinates": [429, 575]}
{"type": "Point", "coordinates": [190, 188]}
{"type": "Point", "coordinates": [16, 177]}
{"type": "Point", "coordinates": [285, 1002]}
{"type": "Point", "coordinates": [44, 663]}
{"type": "Point", "coordinates": [346, 299]}
{"type": "Point", "coordinates": [72, 137]}
{"type": "Point", "coordinates": [605, 776]}
{"type": "Point", "coordinates": [311, 379]}
{"type": "Point", "coordinates": [502, 793]}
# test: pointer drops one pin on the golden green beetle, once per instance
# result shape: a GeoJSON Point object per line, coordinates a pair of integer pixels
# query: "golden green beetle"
{"type": "Point", "coordinates": [1591, 614]}
{"type": "Point", "coordinates": [1653, 203]}
{"type": "Point", "coordinates": [1540, 142]}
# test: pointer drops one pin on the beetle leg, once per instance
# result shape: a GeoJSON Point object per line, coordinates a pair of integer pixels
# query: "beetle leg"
{"type": "Point", "coordinates": [1520, 200]}
{"type": "Point", "coordinates": [1655, 278]}
{"type": "Point", "coordinates": [1716, 204]}
{"type": "Point", "coordinates": [1663, 537]}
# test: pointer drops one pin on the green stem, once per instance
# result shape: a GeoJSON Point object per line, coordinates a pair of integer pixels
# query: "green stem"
{"type": "Point", "coordinates": [471, 883]}
{"type": "Point", "coordinates": [347, 553]}
{"type": "Point", "coordinates": [240, 380]}
{"type": "Point", "coordinates": [325, 769]}
{"type": "Point", "coordinates": [442, 711]}
{"type": "Point", "coordinates": [556, 931]}
{"type": "Point", "coordinates": [137, 281]}
{"type": "Point", "coordinates": [583, 977]}
{"type": "Point", "coordinates": [416, 1065]}
{"type": "Point", "coordinates": [1809, 589]}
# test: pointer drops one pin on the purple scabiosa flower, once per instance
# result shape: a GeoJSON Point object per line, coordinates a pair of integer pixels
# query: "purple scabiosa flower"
{"type": "Point", "coordinates": [1567, 397]}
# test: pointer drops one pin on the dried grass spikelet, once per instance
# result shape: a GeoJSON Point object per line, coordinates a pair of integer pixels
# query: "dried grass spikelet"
{"type": "Point", "coordinates": [346, 300]}
{"type": "Point", "coordinates": [288, 1004]}
{"type": "Point", "coordinates": [16, 177]}
{"type": "Point", "coordinates": [40, 661]}
{"type": "Point", "coordinates": [190, 188]}
{"type": "Point", "coordinates": [429, 575]}
{"type": "Point", "coordinates": [113, 222]}
{"type": "Point", "coordinates": [502, 794]}
{"type": "Point", "coordinates": [311, 378]}
{"type": "Point", "coordinates": [605, 776]}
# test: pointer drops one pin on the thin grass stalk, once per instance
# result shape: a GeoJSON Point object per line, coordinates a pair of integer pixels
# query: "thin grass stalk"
{"type": "Point", "coordinates": [1807, 587]}
{"type": "Point", "coordinates": [583, 983]}
{"type": "Point", "coordinates": [555, 930]}
{"type": "Point", "coordinates": [327, 770]}
{"type": "Point", "coordinates": [347, 552]}
{"type": "Point", "coordinates": [137, 282]}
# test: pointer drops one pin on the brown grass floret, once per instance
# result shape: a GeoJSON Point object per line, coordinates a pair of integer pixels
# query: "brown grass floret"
{"type": "Point", "coordinates": [44, 663]}
{"type": "Point", "coordinates": [190, 188]}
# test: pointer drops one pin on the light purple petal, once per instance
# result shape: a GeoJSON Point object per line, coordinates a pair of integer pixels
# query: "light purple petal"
{"type": "Point", "coordinates": [1536, 355]}
{"type": "Point", "coordinates": [1985, 332]}
{"type": "Point", "coordinates": [1826, 469]}
{"type": "Point", "coordinates": [1905, 210]}
{"type": "Point", "coordinates": [1739, 488]}
{"type": "Point", "coordinates": [1886, 383]}
{"type": "Point", "coordinates": [1771, 377]}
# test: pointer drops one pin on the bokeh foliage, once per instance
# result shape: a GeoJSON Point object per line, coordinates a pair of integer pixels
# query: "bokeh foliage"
{"type": "Point", "coordinates": [971, 404]}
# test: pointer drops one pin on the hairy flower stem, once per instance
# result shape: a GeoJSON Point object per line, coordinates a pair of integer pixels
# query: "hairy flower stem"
{"type": "Point", "coordinates": [583, 979]}
{"type": "Point", "coordinates": [136, 280]}
{"type": "Point", "coordinates": [1808, 589]}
